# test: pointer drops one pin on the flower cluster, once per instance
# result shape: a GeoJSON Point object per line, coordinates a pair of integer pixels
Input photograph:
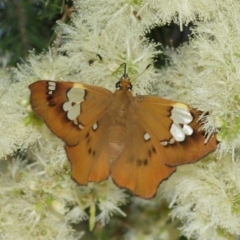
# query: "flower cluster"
{"type": "Point", "coordinates": [39, 200]}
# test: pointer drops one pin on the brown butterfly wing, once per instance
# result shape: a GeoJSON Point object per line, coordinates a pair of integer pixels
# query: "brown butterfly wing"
{"type": "Point", "coordinates": [156, 115]}
{"type": "Point", "coordinates": [69, 109]}
{"type": "Point", "coordinates": [150, 155]}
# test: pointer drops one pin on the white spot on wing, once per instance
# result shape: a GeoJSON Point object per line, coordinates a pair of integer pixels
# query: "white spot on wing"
{"type": "Point", "coordinates": [67, 106]}
{"type": "Point", "coordinates": [74, 112]}
{"type": "Point", "coordinates": [51, 87]}
{"type": "Point", "coordinates": [75, 121]}
{"type": "Point", "coordinates": [95, 126]}
{"type": "Point", "coordinates": [146, 136]}
{"type": "Point", "coordinates": [164, 143]}
{"type": "Point", "coordinates": [73, 106]}
{"type": "Point", "coordinates": [76, 95]}
{"type": "Point", "coordinates": [181, 117]}
{"type": "Point", "coordinates": [52, 84]}
{"type": "Point", "coordinates": [177, 132]}
{"type": "Point", "coordinates": [187, 130]}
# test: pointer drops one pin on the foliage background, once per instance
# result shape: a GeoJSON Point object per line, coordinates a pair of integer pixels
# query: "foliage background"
{"type": "Point", "coordinates": [27, 25]}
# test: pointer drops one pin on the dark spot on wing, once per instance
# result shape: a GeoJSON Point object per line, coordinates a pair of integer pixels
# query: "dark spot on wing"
{"type": "Point", "coordinates": [153, 149]}
{"type": "Point", "coordinates": [89, 150]}
{"type": "Point", "coordinates": [52, 103]}
{"type": "Point", "coordinates": [145, 162]}
{"type": "Point", "coordinates": [49, 98]}
{"type": "Point", "coordinates": [88, 140]}
{"type": "Point", "coordinates": [142, 162]}
{"type": "Point", "coordinates": [149, 153]}
{"type": "Point", "coordinates": [93, 153]}
{"type": "Point", "coordinates": [139, 162]}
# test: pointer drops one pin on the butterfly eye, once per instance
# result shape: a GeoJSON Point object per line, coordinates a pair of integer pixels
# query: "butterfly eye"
{"type": "Point", "coordinates": [118, 85]}
{"type": "Point", "coordinates": [130, 87]}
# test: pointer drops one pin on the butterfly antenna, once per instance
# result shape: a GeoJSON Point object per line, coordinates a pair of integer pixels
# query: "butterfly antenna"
{"type": "Point", "coordinates": [125, 75]}
{"type": "Point", "coordinates": [101, 59]}
{"type": "Point", "coordinates": [142, 72]}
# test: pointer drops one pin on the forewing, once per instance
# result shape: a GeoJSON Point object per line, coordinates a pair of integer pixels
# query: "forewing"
{"type": "Point", "coordinates": [174, 130]}
{"type": "Point", "coordinates": [69, 109]}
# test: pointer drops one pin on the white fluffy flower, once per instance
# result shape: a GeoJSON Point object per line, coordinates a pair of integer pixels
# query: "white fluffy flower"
{"type": "Point", "coordinates": [205, 196]}
{"type": "Point", "coordinates": [38, 195]}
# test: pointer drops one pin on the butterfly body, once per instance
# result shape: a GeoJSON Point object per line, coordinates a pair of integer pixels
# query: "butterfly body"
{"type": "Point", "coordinates": [137, 140]}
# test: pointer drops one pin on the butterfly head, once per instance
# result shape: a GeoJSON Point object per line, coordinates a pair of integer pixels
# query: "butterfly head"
{"type": "Point", "coordinates": [124, 82]}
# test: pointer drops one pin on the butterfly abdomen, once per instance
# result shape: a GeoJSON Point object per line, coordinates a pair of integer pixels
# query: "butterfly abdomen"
{"type": "Point", "coordinates": [117, 131]}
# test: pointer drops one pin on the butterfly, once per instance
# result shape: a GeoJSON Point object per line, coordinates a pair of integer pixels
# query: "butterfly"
{"type": "Point", "coordinates": [137, 140]}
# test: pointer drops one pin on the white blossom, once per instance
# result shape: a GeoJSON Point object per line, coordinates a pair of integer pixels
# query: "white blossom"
{"type": "Point", "coordinates": [38, 198]}
{"type": "Point", "coordinates": [207, 199]}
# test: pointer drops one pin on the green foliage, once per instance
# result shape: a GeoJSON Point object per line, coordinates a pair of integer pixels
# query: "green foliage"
{"type": "Point", "coordinates": [26, 25]}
